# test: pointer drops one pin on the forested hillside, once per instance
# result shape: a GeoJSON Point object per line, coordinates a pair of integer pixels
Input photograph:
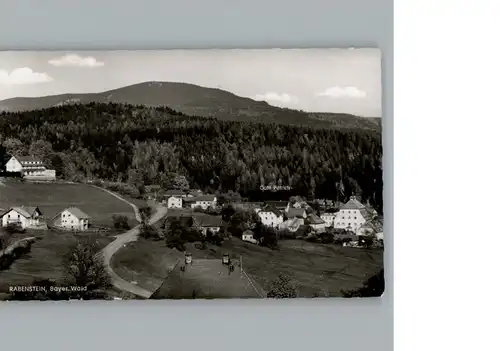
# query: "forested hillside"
{"type": "Point", "coordinates": [146, 145]}
{"type": "Point", "coordinates": [200, 101]}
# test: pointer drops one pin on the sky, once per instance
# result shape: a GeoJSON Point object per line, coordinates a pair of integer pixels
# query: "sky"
{"type": "Point", "coordinates": [315, 80]}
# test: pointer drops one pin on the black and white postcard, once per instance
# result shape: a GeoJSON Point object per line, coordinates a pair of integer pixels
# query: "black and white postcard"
{"type": "Point", "coordinates": [191, 174]}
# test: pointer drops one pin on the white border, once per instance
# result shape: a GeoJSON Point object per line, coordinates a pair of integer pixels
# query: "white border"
{"type": "Point", "coordinates": [446, 191]}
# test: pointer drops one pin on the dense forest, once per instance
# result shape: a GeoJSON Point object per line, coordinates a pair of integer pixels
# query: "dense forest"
{"type": "Point", "coordinates": [155, 145]}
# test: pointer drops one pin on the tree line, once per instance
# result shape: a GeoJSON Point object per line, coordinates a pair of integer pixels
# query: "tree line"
{"type": "Point", "coordinates": [142, 145]}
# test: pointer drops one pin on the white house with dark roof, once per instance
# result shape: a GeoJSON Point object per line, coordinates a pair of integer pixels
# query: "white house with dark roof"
{"type": "Point", "coordinates": [352, 215]}
{"type": "Point", "coordinates": [30, 168]}
{"type": "Point", "coordinates": [206, 222]}
{"type": "Point", "coordinates": [270, 216]}
{"type": "Point", "coordinates": [26, 217]}
{"type": "Point", "coordinates": [72, 218]}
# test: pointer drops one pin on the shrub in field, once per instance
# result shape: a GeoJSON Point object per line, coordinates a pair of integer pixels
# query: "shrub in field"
{"type": "Point", "coordinates": [282, 288]}
{"type": "Point", "coordinates": [120, 222]}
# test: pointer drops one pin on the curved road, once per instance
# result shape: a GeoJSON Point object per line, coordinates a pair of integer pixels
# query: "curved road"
{"type": "Point", "coordinates": [122, 239]}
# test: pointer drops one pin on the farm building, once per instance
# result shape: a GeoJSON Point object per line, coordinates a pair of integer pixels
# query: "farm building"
{"type": "Point", "coordinates": [203, 201]}
{"type": "Point", "coordinates": [292, 224]}
{"type": "Point", "coordinates": [30, 168]}
{"type": "Point", "coordinates": [194, 193]}
{"type": "Point", "coordinates": [270, 216]}
{"type": "Point", "coordinates": [26, 217]}
{"type": "Point", "coordinates": [72, 218]}
{"type": "Point", "coordinates": [206, 222]}
{"type": "Point", "coordinates": [248, 236]}
{"type": "Point", "coordinates": [352, 215]}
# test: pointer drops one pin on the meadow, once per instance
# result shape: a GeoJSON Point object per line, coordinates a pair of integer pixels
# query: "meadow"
{"type": "Point", "coordinates": [45, 259]}
{"type": "Point", "coordinates": [52, 198]}
{"type": "Point", "coordinates": [317, 270]}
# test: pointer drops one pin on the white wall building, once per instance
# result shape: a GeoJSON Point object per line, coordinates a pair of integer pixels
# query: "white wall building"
{"type": "Point", "coordinates": [248, 236]}
{"type": "Point", "coordinates": [30, 168]}
{"type": "Point", "coordinates": [26, 217]}
{"type": "Point", "coordinates": [270, 216]}
{"type": "Point", "coordinates": [174, 202]}
{"type": "Point", "coordinates": [204, 201]}
{"type": "Point", "coordinates": [352, 215]}
{"type": "Point", "coordinates": [72, 218]}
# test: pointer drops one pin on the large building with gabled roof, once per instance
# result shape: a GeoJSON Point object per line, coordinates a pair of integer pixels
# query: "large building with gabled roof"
{"type": "Point", "coordinates": [352, 215]}
{"type": "Point", "coordinates": [72, 218]}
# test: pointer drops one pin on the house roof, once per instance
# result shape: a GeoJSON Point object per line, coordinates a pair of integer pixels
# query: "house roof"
{"type": "Point", "coordinates": [248, 232]}
{"type": "Point", "coordinates": [328, 214]}
{"type": "Point", "coordinates": [77, 213]}
{"type": "Point", "coordinates": [26, 211]}
{"type": "Point", "coordinates": [27, 159]}
{"type": "Point", "coordinates": [375, 225]}
{"type": "Point", "coordinates": [204, 220]}
{"type": "Point", "coordinates": [314, 219]}
{"type": "Point", "coordinates": [277, 204]}
{"type": "Point", "coordinates": [201, 198]}
{"type": "Point", "coordinates": [353, 204]}
{"type": "Point", "coordinates": [296, 212]}
{"type": "Point", "coordinates": [173, 192]}
{"type": "Point", "coordinates": [271, 209]}
{"type": "Point", "coordinates": [294, 222]}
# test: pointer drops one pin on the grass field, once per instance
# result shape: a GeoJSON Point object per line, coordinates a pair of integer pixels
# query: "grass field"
{"type": "Point", "coordinates": [45, 258]}
{"type": "Point", "coordinates": [145, 262]}
{"type": "Point", "coordinates": [206, 278]}
{"type": "Point", "coordinates": [52, 198]}
{"type": "Point", "coordinates": [316, 269]}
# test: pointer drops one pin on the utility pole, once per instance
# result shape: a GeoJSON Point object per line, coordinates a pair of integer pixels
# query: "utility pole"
{"type": "Point", "coordinates": [241, 263]}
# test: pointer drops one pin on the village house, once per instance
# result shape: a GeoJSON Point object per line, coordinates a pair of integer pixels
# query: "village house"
{"type": "Point", "coordinates": [26, 217]}
{"type": "Point", "coordinates": [300, 204]}
{"type": "Point", "coordinates": [72, 218]}
{"type": "Point", "coordinates": [328, 217]}
{"type": "Point", "coordinates": [292, 224]}
{"type": "Point", "coordinates": [174, 202]}
{"type": "Point", "coordinates": [270, 216]}
{"type": "Point", "coordinates": [248, 236]}
{"type": "Point", "coordinates": [352, 215]}
{"type": "Point", "coordinates": [316, 223]}
{"type": "Point", "coordinates": [30, 168]}
{"type": "Point", "coordinates": [204, 223]}
{"type": "Point", "coordinates": [373, 227]}
{"type": "Point", "coordinates": [203, 201]}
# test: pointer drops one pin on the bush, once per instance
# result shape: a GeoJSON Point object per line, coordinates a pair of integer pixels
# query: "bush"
{"type": "Point", "coordinates": [282, 288]}
{"type": "Point", "coordinates": [120, 222]}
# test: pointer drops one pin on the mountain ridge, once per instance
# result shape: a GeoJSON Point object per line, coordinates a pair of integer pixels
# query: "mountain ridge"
{"type": "Point", "coordinates": [196, 100]}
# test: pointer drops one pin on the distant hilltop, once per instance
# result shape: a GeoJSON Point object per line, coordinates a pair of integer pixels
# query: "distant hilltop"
{"type": "Point", "coordinates": [196, 100]}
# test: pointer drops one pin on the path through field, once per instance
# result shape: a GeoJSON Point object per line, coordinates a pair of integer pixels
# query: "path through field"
{"type": "Point", "coordinates": [123, 239]}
